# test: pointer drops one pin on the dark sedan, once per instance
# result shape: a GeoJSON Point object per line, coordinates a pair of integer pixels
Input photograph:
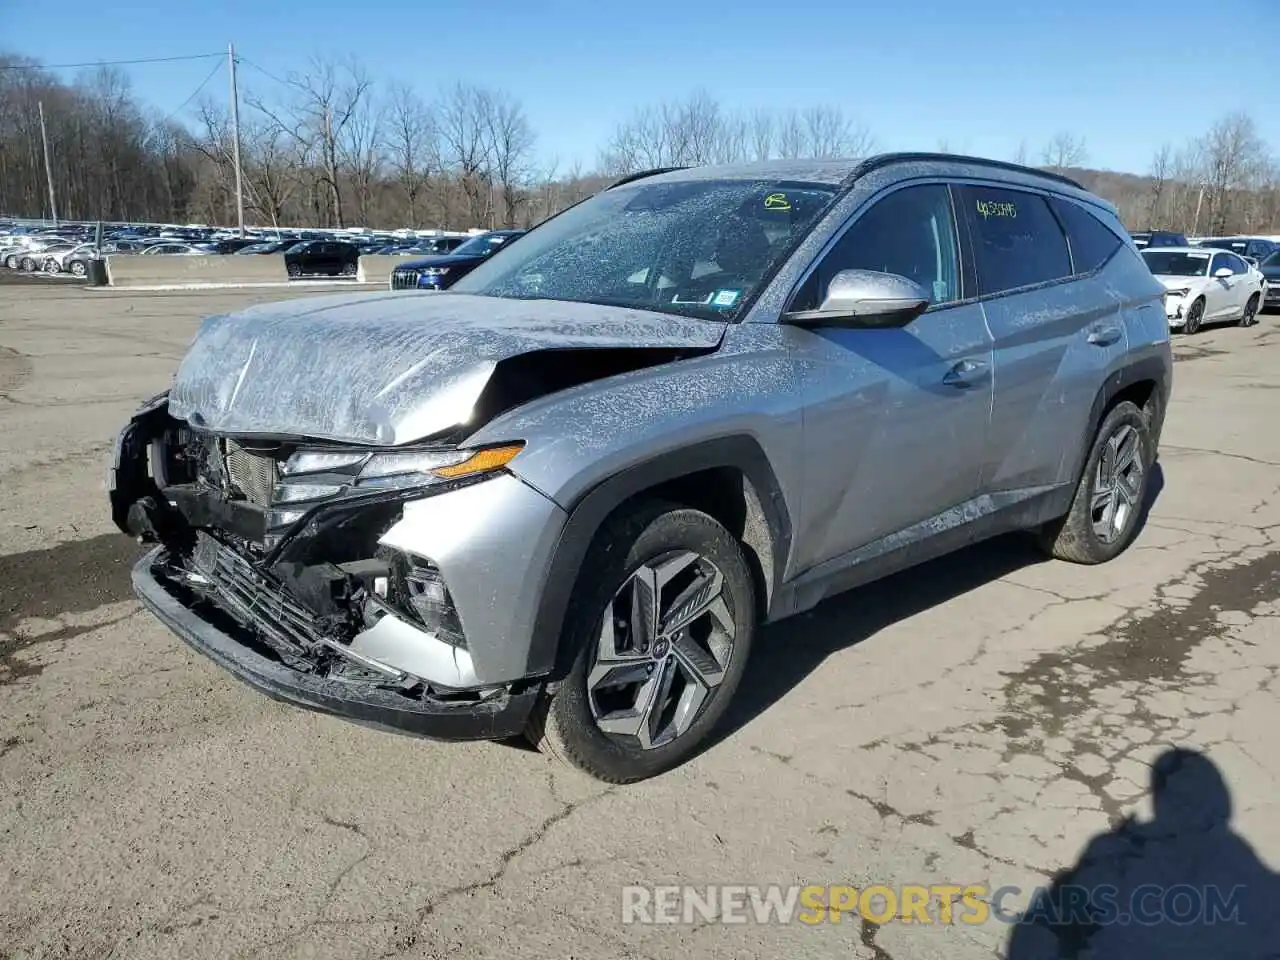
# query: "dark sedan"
{"type": "Point", "coordinates": [443, 271]}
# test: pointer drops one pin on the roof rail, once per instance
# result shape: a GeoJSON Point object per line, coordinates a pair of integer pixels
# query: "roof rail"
{"type": "Point", "coordinates": [885, 159]}
{"type": "Point", "coordinates": [641, 174]}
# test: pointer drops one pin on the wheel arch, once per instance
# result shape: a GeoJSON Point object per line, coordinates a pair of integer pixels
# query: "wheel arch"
{"type": "Point", "coordinates": [729, 478]}
{"type": "Point", "coordinates": [1146, 384]}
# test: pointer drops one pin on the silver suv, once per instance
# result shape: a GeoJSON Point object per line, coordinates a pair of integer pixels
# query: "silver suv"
{"type": "Point", "coordinates": [559, 499]}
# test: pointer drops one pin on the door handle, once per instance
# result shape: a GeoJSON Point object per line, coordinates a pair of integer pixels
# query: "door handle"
{"type": "Point", "coordinates": [965, 373]}
{"type": "Point", "coordinates": [1104, 334]}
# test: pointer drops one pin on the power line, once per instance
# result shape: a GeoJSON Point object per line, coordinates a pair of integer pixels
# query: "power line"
{"type": "Point", "coordinates": [270, 76]}
{"type": "Point", "coordinates": [216, 67]}
{"type": "Point", "coordinates": [109, 63]}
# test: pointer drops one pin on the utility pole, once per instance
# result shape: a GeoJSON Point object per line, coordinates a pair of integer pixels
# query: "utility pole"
{"type": "Point", "coordinates": [235, 137]}
{"type": "Point", "coordinates": [1195, 225]}
{"type": "Point", "coordinates": [48, 169]}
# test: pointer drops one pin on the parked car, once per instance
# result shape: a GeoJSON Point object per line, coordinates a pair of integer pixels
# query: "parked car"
{"type": "Point", "coordinates": [56, 259]}
{"type": "Point", "coordinates": [169, 249]}
{"type": "Point", "coordinates": [231, 244]}
{"type": "Point", "coordinates": [1205, 285]}
{"type": "Point", "coordinates": [1255, 248]}
{"type": "Point", "coordinates": [327, 257]}
{"type": "Point", "coordinates": [1158, 238]}
{"type": "Point", "coordinates": [1270, 270]}
{"type": "Point", "coordinates": [33, 259]}
{"type": "Point", "coordinates": [76, 262]}
{"type": "Point", "coordinates": [441, 271]}
{"type": "Point", "coordinates": [266, 246]}
{"type": "Point", "coordinates": [560, 497]}
{"type": "Point", "coordinates": [24, 245]}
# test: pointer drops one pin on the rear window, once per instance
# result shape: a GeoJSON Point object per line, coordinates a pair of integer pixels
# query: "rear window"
{"type": "Point", "coordinates": [1016, 238]}
{"type": "Point", "coordinates": [1092, 242]}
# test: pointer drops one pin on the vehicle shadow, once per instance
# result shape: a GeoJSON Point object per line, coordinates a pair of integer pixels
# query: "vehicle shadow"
{"type": "Point", "coordinates": [785, 653]}
{"type": "Point", "coordinates": [1183, 884]}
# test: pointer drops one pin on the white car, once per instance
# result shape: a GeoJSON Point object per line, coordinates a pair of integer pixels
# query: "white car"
{"type": "Point", "coordinates": [174, 250]}
{"type": "Point", "coordinates": [55, 259]}
{"type": "Point", "coordinates": [1204, 285]}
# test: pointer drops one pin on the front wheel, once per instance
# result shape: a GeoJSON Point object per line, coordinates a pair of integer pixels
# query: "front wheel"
{"type": "Point", "coordinates": [1250, 315]}
{"type": "Point", "coordinates": [51, 266]}
{"type": "Point", "coordinates": [1194, 317]}
{"type": "Point", "coordinates": [1103, 517]}
{"type": "Point", "coordinates": [661, 621]}
{"type": "Point", "coordinates": [295, 271]}
{"type": "Point", "coordinates": [78, 268]}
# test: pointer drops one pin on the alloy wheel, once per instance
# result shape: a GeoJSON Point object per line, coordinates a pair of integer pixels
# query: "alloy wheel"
{"type": "Point", "coordinates": [1193, 317]}
{"type": "Point", "coordinates": [664, 645]}
{"type": "Point", "coordinates": [1117, 485]}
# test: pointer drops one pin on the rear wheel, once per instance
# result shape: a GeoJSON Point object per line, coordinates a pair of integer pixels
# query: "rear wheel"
{"type": "Point", "coordinates": [29, 264]}
{"type": "Point", "coordinates": [1250, 315]}
{"type": "Point", "coordinates": [662, 621]}
{"type": "Point", "coordinates": [78, 268]}
{"type": "Point", "coordinates": [11, 261]}
{"type": "Point", "coordinates": [1103, 516]}
{"type": "Point", "coordinates": [348, 269]}
{"type": "Point", "coordinates": [1194, 318]}
{"type": "Point", "coordinates": [51, 266]}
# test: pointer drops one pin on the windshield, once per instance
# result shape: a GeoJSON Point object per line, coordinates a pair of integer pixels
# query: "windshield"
{"type": "Point", "coordinates": [1176, 264]}
{"type": "Point", "coordinates": [697, 248]}
{"type": "Point", "coordinates": [1273, 260]}
{"type": "Point", "coordinates": [481, 246]}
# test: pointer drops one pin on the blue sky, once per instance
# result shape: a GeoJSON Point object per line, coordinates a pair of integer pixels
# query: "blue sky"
{"type": "Point", "coordinates": [981, 75]}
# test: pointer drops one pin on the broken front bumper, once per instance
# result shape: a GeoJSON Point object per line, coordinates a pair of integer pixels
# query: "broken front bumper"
{"type": "Point", "coordinates": [500, 715]}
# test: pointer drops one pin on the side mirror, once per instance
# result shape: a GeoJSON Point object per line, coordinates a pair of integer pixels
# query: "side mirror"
{"type": "Point", "coordinates": [1223, 272]}
{"type": "Point", "coordinates": [865, 299]}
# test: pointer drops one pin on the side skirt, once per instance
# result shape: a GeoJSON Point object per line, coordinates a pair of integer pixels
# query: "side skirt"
{"type": "Point", "coordinates": [974, 520]}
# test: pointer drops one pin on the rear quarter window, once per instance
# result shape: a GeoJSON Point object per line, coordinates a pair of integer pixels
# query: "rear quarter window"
{"type": "Point", "coordinates": [1092, 241]}
{"type": "Point", "coordinates": [1017, 241]}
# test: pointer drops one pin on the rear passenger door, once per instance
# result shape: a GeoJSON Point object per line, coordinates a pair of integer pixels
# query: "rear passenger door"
{"type": "Point", "coordinates": [1057, 329]}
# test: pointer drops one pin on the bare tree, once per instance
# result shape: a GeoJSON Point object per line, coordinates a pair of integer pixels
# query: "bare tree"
{"type": "Point", "coordinates": [1233, 157]}
{"type": "Point", "coordinates": [791, 141]}
{"type": "Point", "coordinates": [1063, 151]}
{"type": "Point", "coordinates": [464, 135]}
{"type": "Point", "coordinates": [324, 101]}
{"type": "Point", "coordinates": [1022, 155]}
{"type": "Point", "coordinates": [511, 141]}
{"type": "Point", "coordinates": [762, 133]}
{"type": "Point", "coordinates": [360, 152]}
{"type": "Point", "coordinates": [412, 145]}
{"type": "Point", "coordinates": [1161, 170]}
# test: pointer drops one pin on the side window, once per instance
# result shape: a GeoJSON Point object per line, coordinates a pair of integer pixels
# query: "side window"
{"type": "Point", "coordinates": [1092, 243]}
{"type": "Point", "coordinates": [1238, 265]}
{"type": "Point", "coordinates": [1016, 239]}
{"type": "Point", "coordinates": [910, 232]}
{"type": "Point", "coordinates": [1220, 260]}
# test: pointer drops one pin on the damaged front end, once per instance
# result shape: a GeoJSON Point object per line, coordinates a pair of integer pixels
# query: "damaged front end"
{"type": "Point", "coordinates": [272, 559]}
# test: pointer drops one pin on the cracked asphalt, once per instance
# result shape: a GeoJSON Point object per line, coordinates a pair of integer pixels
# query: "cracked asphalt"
{"type": "Point", "coordinates": [985, 719]}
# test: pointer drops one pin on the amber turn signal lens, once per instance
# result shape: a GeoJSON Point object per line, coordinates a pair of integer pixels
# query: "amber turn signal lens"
{"type": "Point", "coordinates": [482, 461]}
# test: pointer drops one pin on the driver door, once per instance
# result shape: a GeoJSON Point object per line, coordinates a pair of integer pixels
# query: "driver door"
{"type": "Point", "coordinates": [1223, 298]}
{"type": "Point", "coordinates": [896, 420]}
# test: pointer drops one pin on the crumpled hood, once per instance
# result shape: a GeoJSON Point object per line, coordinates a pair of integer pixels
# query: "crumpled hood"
{"type": "Point", "coordinates": [387, 368]}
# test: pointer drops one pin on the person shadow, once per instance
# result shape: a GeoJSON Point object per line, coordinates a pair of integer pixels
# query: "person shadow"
{"type": "Point", "coordinates": [1183, 885]}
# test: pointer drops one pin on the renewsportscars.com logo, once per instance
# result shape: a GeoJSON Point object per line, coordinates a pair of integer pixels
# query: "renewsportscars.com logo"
{"type": "Point", "coordinates": [938, 903]}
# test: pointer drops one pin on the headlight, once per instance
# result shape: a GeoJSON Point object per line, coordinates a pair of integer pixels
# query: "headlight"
{"type": "Point", "coordinates": [1182, 292]}
{"type": "Point", "coordinates": [319, 474]}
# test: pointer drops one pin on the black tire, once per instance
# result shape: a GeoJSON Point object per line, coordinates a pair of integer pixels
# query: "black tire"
{"type": "Point", "coordinates": [1250, 315]}
{"type": "Point", "coordinates": [1195, 315]}
{"type": "Point", "coordinates": [563, 725]}
{"type": "Point", "coordinates": [29, 265]}
{"type": "Point", "coordinates": [51, 266]}
{"type": "Point", "coordinates": [349, 269]}
{"type": "Point", "coordinates": [11, 261]}
{"type": "Point", "coordinates": [294, 270]}
{"type": "Point", "coordinates": [1074, 536]}
{"type": "Point", "coordinates": [78, 268]}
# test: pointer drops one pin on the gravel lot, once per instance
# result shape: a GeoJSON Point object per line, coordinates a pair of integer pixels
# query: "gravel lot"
{"type": "Point", "coordinates": [980, 720]}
